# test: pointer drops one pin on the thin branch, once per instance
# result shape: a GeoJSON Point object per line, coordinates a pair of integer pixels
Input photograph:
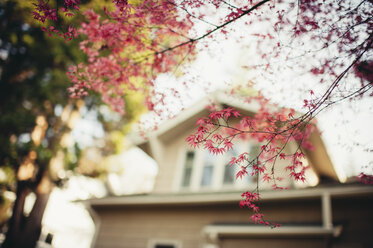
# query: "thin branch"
{"type": "Point", "coordinates": [228, 4]}
{"type": "Point", "coordinates": [190, 14]}
{"type": "Point", "coordinates": [191, 41]}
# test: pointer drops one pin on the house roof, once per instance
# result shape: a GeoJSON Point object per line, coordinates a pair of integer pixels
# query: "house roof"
{"type": "Point", "coordinates": [318, 158]}
{"type": "Point", "coordinates": [188, 117]}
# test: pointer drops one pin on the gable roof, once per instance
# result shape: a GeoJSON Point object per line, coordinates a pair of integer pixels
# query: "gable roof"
{"type": "Point", "coordinates": [318, 158]}
{"type": "Point", "coordinates": [188, 117]}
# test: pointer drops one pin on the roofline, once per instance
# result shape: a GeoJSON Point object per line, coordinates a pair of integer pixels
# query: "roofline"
{"type": "Point", "coordinates": [171, 123]}
{"type": "Point", "coordinates": [236, 230]}
{"type": "Point", "coordinates": [218, 96]}
{"type": "Point", "coordinates": [229, 197]}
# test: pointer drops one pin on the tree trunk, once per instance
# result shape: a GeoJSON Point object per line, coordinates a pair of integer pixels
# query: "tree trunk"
{"type": "Point", "coordinates": [24, 231]}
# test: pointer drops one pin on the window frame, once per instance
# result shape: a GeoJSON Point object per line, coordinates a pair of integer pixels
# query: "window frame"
{"type": "Point", "coordinates": [191, 166]}
{"type": "Point", "coordinates": [217, 183]}
{"type": "Point", "coordinates": [154, 242]}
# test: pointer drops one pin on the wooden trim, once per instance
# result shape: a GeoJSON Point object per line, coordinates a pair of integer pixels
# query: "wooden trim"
{"type": "Point", "coordinates": [234, 230]}
{"type": "Point", "coordinates": [229, 197]}
{"type": "Point", "coordinates": [97, 221]}
{"type": "Point", "coordinates": [326, 207]}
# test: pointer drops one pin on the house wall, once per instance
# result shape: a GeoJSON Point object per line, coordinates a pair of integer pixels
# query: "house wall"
{"type": "Point", "coordinates": [356, 216]}
{"type": "Point", "coordinates": [172, 163]}
{"type": "Point", "coordinates": [172, 151]}
{"type": "Point", "coordinates": [137, 226]}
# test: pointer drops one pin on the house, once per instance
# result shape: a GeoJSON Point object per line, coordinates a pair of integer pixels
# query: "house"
{"type": "Point", "coordinates": [195, 200]}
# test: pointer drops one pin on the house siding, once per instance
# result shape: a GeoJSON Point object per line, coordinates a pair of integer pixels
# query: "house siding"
{"type": "Point", "coordinates": [356, 216]}
{"type": "Point", "coordinates": [168, 169]}
{"type": "Point", "coordinates": [136, 226]}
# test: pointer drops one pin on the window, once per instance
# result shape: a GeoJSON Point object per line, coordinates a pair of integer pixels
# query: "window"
{"type": "Point", "coordinates": [254, 150]}
{"type": "Point", "coordinates": [201, 170]}
{"type": "Point", "coordinates": [188, 168]}
{"type": "Point", "coordinates": [164, 244]}
{"type": "Point", "coordinates": [229, 171]}
{"type": "Point", "coordinates": [208, 169]}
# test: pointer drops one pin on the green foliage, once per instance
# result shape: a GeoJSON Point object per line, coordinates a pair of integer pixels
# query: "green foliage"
{"type": "Point", "coordinates": [33, 83]}
{"type": "Point", "coordinates": [32, 80]}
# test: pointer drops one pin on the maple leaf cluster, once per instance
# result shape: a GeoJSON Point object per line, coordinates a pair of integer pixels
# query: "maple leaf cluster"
{"type": "Point", "coordinates": [122, 51]}
{"type": "Point", "coordinates": [47, 15]}
{"type": "Point", "coordinates": [341, 35]}
{"type": "Point", "coordinates": [248, 200]}
{"type": "Point", "coordinates": [365, 178]}
{"type": "Point", "coordinates": [275, 128]}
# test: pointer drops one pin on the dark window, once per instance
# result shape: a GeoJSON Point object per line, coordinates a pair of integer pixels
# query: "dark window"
{"type": "Point", "coordinates": [164, 246]}
{"type": "Point", "coordinates": [188, 168]}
